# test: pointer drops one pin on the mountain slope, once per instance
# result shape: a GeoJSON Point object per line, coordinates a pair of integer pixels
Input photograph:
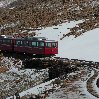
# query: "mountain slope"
{"type": "Point", "coordinates": [43, 13]}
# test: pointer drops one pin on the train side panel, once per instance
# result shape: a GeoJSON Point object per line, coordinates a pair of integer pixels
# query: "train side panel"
{"type": "Point", "coordinates": [31, 46]}
{"type": "Point", "coordinates": [6, 45]}
{"type": "Point", "coordinates": [35, 47]}
{"type": "Point", "coordinates": [51, 48]}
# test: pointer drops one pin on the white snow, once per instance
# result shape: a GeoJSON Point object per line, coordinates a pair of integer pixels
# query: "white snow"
{"type": "Point", "coordinates": [55, 32]}
{"type": "Point", "coordinates": [37, 89]}
{"type": "Point", "coordinates": [62, 94]}
{"type": "Point", "coordinates": [83, 47]}
{"type": "Point", "coordinates": [1, 4]}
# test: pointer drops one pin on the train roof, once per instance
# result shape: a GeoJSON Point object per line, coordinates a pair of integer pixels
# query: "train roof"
{"type": "Point", "coordinates": [39, 39]}
{"type": "Point", "coordinates": [35, 38]}
{"type": "Point", "coordinates": [6, 36]}
{"type": "Point", "coordinates": [50, 41]}
{"type": "Point", "coordinates": [26, 38]}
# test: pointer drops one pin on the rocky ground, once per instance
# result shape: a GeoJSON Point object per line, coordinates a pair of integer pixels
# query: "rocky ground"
{"type": "Point", "coordinates": [78, 85]}
{"type": "Point", "coordinates": [14, 78]}
{"type": "Point", "coordinates": [31, 14]}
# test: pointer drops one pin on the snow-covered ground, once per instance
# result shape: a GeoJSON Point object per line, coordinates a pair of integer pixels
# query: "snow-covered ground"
{"type": "Point", "coordinates": [37, 89]}
{"type": "Point", "coordinates": [74, 90]}
{"type": "Point", "coordinates": [83, 47]}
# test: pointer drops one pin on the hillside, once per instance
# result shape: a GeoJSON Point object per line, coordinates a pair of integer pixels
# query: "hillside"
{"type": "Point", "coordinates": [30, 14]}
{"type": "Point", "coordinates": [75, 25]}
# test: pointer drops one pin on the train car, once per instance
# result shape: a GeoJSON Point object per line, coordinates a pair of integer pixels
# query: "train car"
{"type": "Point", "coordinates": [6, 43]}
{"type": "Point", "coordinates": [31, 45]}
{"type": "Point", "coordinates": [36, 46]}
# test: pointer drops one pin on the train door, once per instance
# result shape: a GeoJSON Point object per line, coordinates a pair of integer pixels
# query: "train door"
{"type": "Point", "coordinates": [51, 48]}
{"type": "Point", "coordinates": [25, 46]}
{"type": "Point", "coordinates": [7, 44]}
{"type": "Point", "coordinates": [41, 47]}
{"type": "Point", "coordinates": [48, 49]}
{"type": "Point", "coordinates": [54, 46]}
{"type": "Point", "coordinates": [32, 47]}
{"type": "Point", "coordinates": [13, 43]}
{"type": "Point", "coordinates": [19, 46]}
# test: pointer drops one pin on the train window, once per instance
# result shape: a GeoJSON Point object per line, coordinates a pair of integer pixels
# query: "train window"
{"type": "Point", "coordinates": [34, 44]}
{"type": "Point", "coordinates": [54, 45]}
{"type": "Point", "coordinates": [48, 44]}
{"type": "Point", "coordinates": [25, 43]}
{"type": "Point", "coordinates": [6, 41]}
{"type": "Point", "coordinates": [3, 41]}
{"type": "Point", "coordinates": [41, 44]}
{"type": "Point", "coordinates": [29, 43]}
{"type": "Point", "coordinates": [37, 43]}
{"type": "Point", "coordinates": [18, 42]}
{"type": "Point", "coordinates": [0, 41]}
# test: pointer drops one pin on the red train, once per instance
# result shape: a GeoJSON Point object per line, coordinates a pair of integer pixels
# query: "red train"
{"type": "Point", "coordinates": [31, 45]}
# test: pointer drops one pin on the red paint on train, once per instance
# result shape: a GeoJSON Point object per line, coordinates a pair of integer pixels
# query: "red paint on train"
{"type": "Point", "coordinates": [32, 45]}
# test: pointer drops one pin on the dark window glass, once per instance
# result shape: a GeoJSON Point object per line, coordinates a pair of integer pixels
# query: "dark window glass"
{"type": "Point", "coordinates": [6, 41]}
{"type": "Point", "coordinates": [19, 43]}
{"type": "Point", "coordinates": [34, 44]}
{"type": "Point", "coordinates": [41, 44]}
{"type": "Point", "coordinates": [0, 41]}
{"type": "Point", "coordinates": [25, 43]}
{"type": "Point", "coordinates": [53, 45]}
{"type": "Point", "coordinates": [48, 44]}
{"type": "Point", "coordinates": [37, 43]}
{"type": "Point", "coordinates": [29, 43]}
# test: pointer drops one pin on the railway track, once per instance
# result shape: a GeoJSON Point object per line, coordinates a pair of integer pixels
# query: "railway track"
{"type": "Point", "coordinates": [58, 66]}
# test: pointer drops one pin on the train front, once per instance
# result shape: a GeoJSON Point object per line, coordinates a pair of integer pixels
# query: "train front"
{"type": "Point", "coordinates": [51, 47]}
